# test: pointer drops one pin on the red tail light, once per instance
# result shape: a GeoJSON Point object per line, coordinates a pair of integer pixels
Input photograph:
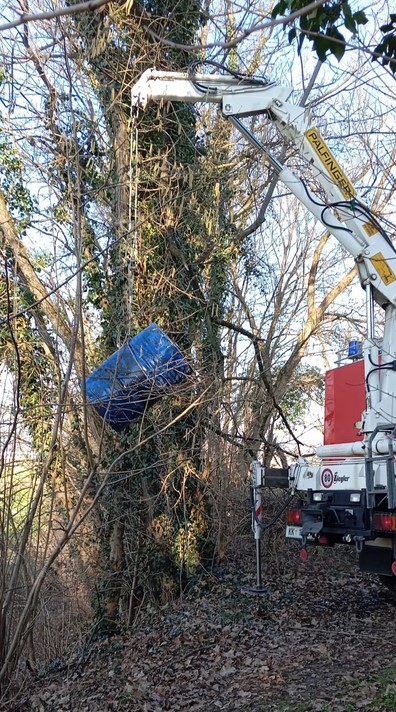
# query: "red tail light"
{"type": "Point", "coordinates": [385, 521]}
{"type": "Point", "coordinates": [294, 516]}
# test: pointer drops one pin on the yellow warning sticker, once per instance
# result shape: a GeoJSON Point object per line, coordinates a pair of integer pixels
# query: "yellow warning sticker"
{"type": "Point", "coordinates": [382, 267]}
{"type": "Point", "coordinates": [370, 228]}
{"type": "Point", "coordinates": [330, 163]}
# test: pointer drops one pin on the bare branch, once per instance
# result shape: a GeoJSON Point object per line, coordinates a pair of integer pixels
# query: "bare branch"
{"type": "Point", "coordinates": [72, 10]}
{"type": "Point", "coordinates": [246, 33]}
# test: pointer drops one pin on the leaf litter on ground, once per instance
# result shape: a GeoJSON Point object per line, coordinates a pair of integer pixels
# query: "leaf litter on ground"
{"type": "Point", "coordinates": [319, 639]}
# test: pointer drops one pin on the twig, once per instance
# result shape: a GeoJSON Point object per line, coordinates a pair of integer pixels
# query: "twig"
{"type": "Point", "coordinates": [237, 40]}
{"type": "Point", "coordinates": [71, 10]}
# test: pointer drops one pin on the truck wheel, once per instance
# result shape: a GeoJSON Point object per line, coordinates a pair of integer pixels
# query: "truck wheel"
{"type": "Point", "coordinates": [389, 582]}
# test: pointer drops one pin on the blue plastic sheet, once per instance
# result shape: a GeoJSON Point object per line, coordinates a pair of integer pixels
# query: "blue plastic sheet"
{"type": "Point", "coordinates": [135, 377]}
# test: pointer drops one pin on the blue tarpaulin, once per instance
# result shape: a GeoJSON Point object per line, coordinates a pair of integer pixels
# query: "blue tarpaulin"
{"type": "Point", "coordinates": [135, 377]}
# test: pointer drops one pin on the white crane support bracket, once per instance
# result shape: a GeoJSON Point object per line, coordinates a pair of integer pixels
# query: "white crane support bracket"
{"type": "Point", "coordinates": [341, 212]}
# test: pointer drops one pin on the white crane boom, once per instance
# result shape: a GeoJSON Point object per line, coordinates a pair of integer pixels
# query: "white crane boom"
{"type": "Point", "coordinates": [351, 222]}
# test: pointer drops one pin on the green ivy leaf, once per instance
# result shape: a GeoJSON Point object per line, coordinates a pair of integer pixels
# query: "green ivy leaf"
{"type": "Point", "coordinates": [322, 45]}
{"type": "Point", "coordinates": [388, 48]}
{"type": "Point", "coordinates": [279, 8]}
{"type": "Point", "coordinates": [360, 17]}
{"type": "Point", "coordinates": [336, 48]}
{"type": "Point", "coordinates": [350, 24]}
{"type": "Point", "coordinates": [346, 9]}
{"type": "Point", "coordinates": [386, 28]}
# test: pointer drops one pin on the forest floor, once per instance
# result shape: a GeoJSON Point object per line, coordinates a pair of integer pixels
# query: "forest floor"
{"type": "Point", "coordinates": [323, 637]}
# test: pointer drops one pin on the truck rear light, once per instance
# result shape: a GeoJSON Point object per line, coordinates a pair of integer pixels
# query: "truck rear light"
{"type": "Point", "coordinates": [294, 516]}
{"type": "Point", "coordinates": [384, 521]}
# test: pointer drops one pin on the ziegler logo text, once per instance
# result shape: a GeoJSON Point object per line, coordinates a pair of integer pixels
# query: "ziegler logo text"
{"type": "Point", "coordinates": [341, 478]}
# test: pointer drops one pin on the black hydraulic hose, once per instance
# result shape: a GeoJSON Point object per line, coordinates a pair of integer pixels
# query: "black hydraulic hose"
{"type": "Point", "coordinates": [275, 518]}
{"type": "Point", "coordinates": [387, 364]}
{"type": "Point", "coordinates": [324, 207]}
{"type": "Point", "coordinates": [373, 370]}
{"type": "Point", "coordinates": [350, 205]}
{"type": "Point", "coordinates": [217, 65]}
{"type": "Point", "coordinates": [366, 211]}
{"type": "Point", "coordinates": [333, 227]}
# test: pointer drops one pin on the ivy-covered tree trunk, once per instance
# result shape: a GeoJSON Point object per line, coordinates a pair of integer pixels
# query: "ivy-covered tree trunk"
{"type": "Point", "coordinates": [164, 268]}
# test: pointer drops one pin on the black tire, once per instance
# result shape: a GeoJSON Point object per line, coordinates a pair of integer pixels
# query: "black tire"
{"type": "Point", "coordinates": [389, 582]}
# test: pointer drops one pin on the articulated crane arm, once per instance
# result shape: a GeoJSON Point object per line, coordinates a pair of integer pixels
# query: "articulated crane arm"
{"type": "Point", "coordinates": [342, 214]}
{"type": "Point", "coordinates": [349, 220]}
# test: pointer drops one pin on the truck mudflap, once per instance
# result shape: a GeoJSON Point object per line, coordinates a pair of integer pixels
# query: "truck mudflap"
{"type": "Point", "coordinates": [312, 524]}
{"type": "Point", "coordinates": [378, 556]}
{"type": "Point", "coordinates": [345, 524]}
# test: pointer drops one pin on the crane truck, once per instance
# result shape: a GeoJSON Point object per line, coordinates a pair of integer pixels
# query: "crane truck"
{"type": "Point", "coordinates": [349, 496]}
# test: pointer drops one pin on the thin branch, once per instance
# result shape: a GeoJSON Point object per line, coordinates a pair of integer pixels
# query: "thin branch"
{"type": "Point", "coordinates": [268, 25]}
{"type": "Point", "coordinates": [246, 33]}
{"type": "Point", "coordinates": [263, 375]}
{"type": "Point", "coordinates": [238, 329]}
{"type": "Point", "coordinates": [243, 234]}
{"type": "Point", "coordinates": [76, 519]}
{"type": "Point", "coordinates": [18, 375]}
{"type": "Point", "coordinates": [71, 10]}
